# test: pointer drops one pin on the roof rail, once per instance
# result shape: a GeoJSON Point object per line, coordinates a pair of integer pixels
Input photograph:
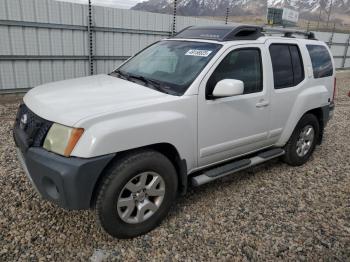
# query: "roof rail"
{"type": "Point", "coordinates": [289, 32]}
{"type": "Point", "coordinates": [237, 32]}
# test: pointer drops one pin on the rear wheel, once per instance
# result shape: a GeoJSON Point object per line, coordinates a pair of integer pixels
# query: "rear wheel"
{"type": "Point", "coordinates": [136, 194]}
{"type": "Point", "coordinates": [303, 141]}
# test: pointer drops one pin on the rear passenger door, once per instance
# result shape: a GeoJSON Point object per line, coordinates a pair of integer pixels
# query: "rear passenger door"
{"type": "Point", "coordinates": [288, 77]}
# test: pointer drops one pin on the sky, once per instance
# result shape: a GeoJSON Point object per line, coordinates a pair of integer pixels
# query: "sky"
{"type": "Point", "coordinates": [115, 3]}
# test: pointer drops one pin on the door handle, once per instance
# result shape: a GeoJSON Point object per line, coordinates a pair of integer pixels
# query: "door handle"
{"type": "Point", "coordinates": [262, 103]}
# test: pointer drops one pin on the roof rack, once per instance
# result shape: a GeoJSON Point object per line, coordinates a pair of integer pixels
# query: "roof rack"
{"type": "Point", "coordinates": [289, 32]}
{"type": "Point", "coordinates": [237, 32]}
{"type": "Point", "coordinates": [222, 33]}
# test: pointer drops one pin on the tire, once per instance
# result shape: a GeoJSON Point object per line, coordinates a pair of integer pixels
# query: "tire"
{"type": "Point", "coordinates": [294, 155]}
{"type": "Point", "coordinates": [115, 198]}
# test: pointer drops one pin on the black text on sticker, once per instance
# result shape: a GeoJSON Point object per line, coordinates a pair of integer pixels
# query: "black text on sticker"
{"type": "Point", "coordinates": [194, 52]}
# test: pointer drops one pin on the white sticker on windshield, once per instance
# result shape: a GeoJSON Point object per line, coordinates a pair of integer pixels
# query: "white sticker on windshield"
{"type": "Point", "coordinates": [194, 52]}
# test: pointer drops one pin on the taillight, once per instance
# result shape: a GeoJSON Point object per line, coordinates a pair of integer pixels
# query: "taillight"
{"type": "Point", "coordinates": [335, 88]}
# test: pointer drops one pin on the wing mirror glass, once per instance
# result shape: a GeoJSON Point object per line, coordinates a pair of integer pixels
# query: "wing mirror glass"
{"type": "Point", "coordinates": [228, 87]}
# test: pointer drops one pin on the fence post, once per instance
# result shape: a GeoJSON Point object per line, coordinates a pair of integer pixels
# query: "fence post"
{"type": "Point", "coordinates": [90, 36]}
{"type": "Point", "coordinates": [319, 18]}
{"type": "Point", "coordinates": [331, 38]}
{"type": "Point", "coordinates": [346, 51]}
{"type": "Point", "coordinates": [329, 12]}
{"type": "Point", "coordinates": [227, 13]}
{"type": "Point", "coordinates": [174, 18]}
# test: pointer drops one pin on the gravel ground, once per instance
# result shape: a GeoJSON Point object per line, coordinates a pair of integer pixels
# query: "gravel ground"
{"type": "Point", "coordinates": [271, 212]}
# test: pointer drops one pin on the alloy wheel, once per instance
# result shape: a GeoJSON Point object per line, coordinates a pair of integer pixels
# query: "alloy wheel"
{"type": "Point", "coordinates": [305, 141]}
{"type": "Point", "coordinates": [141, 197]}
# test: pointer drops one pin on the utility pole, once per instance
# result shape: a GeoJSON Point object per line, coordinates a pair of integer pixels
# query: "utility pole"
{"type": "Point", "coordinates": [174, 18]}
{"type": "Point", "coordinates": [227, 13]}
{"type": "Point", "coordinates": [329, 12]}
{"type": "Point", "coordinates": [319, 17]}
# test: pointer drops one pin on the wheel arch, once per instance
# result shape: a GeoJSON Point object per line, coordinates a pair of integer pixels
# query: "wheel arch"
{"type": "Point", "coordinates": [167, 150]}
{"type": "Point", "coordinates": [319, 114]}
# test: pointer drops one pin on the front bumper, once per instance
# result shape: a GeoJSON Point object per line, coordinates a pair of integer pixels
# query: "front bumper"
{"type": "Point", "coordinates": [68, 182]}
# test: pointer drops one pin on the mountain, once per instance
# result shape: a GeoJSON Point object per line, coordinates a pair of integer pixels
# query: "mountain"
{"type": "Point", "coordinates": [240, 7]}
{"type": "Point", "coordinates": [202, 7]}
{"type": "Point", "coordinates": [312, 6]}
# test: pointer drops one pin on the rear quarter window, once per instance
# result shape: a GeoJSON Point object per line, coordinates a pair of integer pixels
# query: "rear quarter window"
{"type": "Point", "coordinates": [321, 61]}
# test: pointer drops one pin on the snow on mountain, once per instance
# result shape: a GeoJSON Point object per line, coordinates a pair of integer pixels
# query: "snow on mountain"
{"type": "Point", "coordinates": [218, 7]}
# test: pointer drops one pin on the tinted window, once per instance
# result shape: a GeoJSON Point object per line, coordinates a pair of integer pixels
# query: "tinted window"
{"type": "Point", "coordinates": [242, 64]}
{"type": "Point", "coordinates": [298, 68]}
{"type": "Point", "coordinates": [288, 69]}
{"type": "Point", "coordinates": [321, 61]}
{"type": "Point", "coordinates": [282, 66]}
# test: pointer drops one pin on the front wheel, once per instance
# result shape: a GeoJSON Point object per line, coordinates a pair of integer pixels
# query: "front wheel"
{"type": "Point", "coordinates": [303, 141]}
{"type": "Point", "coordinates": [136, 194]}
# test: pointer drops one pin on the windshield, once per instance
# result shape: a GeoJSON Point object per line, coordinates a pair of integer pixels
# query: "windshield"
{"type": "Point", "coordinates": [168, 66]}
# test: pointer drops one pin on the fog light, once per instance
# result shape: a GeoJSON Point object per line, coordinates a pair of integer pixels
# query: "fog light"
{"type": "Point", "coordinates": [50, 188]}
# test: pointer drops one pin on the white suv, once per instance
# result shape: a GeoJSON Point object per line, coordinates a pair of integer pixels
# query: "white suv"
{"type": "Point", "coordinates": [187, 110]}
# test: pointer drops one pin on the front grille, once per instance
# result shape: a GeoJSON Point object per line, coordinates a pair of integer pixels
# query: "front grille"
{"type": "Point", "coordinates": [35, 127]}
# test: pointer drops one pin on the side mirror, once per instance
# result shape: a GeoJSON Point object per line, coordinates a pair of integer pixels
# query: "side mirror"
{"type": "Point", "coordinates": [228, 87]}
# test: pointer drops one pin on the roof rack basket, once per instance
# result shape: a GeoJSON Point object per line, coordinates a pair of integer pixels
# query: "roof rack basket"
{"type": "Point", "coordinates": [289, 32]}
{"type": "Point", "coordinates": [221, 33]}
{"type": "Point", "coordinates": [237, 32]}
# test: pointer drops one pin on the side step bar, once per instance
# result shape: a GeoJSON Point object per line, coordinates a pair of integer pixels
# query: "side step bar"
{"type": "Point", "coordinates": [233, 167]}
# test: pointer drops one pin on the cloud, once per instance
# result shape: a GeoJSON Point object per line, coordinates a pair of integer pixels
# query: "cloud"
{"type": "Point", "coordinates": [113, 3]}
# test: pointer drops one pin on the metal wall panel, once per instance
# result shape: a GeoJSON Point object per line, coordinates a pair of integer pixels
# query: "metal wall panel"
{"type": "Point", "coordinates": [323, 36]}
{"type": "Point", "coordinates": [338, 62]}
{"type": "Point", "coordinates": [337, 50]}
{"type": "Point", "coordinates": [46, 40]}
{"type": "Point", "coordinates": [347, 63]}
{"type": "Point", "coordinates": [30, 41]}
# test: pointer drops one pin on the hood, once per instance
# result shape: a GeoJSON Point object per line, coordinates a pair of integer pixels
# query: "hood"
{"type": "Point", "coordinates": [66, 102]}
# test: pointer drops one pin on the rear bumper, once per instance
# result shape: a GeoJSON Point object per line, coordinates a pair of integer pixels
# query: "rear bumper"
{"type": "Point", "coordinates": [328, 112]}
{"type": "Point", "coordinates": [331, 110]}
{"type": "Point", "coordinates": [68, 182]}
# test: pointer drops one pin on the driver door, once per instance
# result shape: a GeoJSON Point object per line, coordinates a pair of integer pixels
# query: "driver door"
{"type": "Point", "coordinates": [236, 125]}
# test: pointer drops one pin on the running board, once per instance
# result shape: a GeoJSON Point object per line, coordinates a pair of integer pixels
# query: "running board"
{"type": "Point", "coordinates": [233, 167]}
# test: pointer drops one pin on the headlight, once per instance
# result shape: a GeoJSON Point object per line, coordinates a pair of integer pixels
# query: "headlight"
{"type": "Point", "coordinates": [62, 139]}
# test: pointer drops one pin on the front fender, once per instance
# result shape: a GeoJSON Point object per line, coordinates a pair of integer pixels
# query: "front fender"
{"type": "Point", "coordinates": [308, 99]}
{"type": "Point", "coordinates": [130, 131]}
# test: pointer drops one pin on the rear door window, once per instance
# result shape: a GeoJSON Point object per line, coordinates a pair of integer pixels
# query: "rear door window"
{"type": "Point", "coordinates": [287, 64]}
{"type": "Point", "coordinates": [321, 61]}
{"type": "Point", "coordinates": [298, 67]}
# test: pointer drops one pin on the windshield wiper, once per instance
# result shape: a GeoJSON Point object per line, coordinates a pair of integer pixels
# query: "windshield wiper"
{"type": "Point", "coordinates": [122, 74]}
{"type": "Point", "coordinates": [147, 82]}
{"type": "Point", "coordinates": [155, 84]}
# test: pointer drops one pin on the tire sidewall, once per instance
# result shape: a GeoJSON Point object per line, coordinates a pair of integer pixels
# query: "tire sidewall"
{"type": "Point", "coordinates": [122, 173]}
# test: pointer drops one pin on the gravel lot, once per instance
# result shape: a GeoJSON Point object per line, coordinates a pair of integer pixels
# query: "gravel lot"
{"type": "Point", "coordinates": [271, 212]}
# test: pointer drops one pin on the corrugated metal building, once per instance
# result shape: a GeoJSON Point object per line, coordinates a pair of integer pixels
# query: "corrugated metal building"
{"type": "Point", "coordinates": [45, 40]}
